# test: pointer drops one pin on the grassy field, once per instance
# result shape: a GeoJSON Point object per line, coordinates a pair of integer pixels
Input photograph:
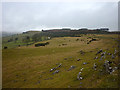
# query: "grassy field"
{"type": "Point", "coordinates": [29, 66]}
{"type": "Point", "coordinates": [20, 37]}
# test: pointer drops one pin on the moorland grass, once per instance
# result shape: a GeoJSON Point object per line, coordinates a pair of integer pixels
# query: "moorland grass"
{"type": "Point", "coordinates": [29, 66]}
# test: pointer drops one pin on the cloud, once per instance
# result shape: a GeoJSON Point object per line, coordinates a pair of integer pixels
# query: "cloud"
{"type": "Point", "coordinates": [24, 16]}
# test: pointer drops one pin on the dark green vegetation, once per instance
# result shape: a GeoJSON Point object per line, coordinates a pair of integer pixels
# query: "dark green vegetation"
{"type": "Point", "coordinates": [29, 66]}
{"type": "Point", "coordinates": [19, 39]}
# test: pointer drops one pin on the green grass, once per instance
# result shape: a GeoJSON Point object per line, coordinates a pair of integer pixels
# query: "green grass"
{"type": "Point", "coordinates": [14, 44]}
{"type": "Point", "coordinates": [34, 63]}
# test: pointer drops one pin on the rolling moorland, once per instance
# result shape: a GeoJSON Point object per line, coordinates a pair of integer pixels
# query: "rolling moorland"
{"type": "Point", "coordinates": [57, 64]}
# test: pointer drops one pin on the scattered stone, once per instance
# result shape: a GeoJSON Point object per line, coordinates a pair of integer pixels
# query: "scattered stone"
{"type": "Point", "coordinates": [109, 53]}
{"type": "Point", "coordinates": [110, 70]}
{"type": "Point", "coordinates": [72, 67]}
{"type": "Point", "coordinates": [56, 67]}
{"type": "Point", "coordinates": [101, 57]}
{"type": "Point", "coordinates": [99, 51]}
{"type": "Point", "coordinates": [84, 63]}
{"type": "Point", "coordinates": [78, 59]}
{"type": "Point", "coordinates": [96, 57]}
{"type": "Point", "coordinates": [57, 71]}
{"type": "Point", "coordinates": [115, 51]}
{"type": "Point", "coordinates": [94, 66]}
{"type": "Point", "coordinates": [115, 68]}
{"type": "Point", "coordinates": [81, 69]}
{"type": "Point", "coordinates": [112, 56]}
{"type": "Point", "coordinates": [57, 63]}
{"type": "Point", "coordinates": [108, 67]}
{"type": "Point", "coordinates": [79, 76]}
{"type": "Point", "coordinates": [52, 69]}
{"type": "Point", "coordinates": [60, 65]}
{"type": "Point", "coordinates": [109, 62]}
{"type": "Point", "coordinates": [102, 54]}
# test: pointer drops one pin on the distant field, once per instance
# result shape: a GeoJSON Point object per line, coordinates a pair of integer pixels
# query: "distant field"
{"type": "Point", "coordinates": [29, 66]}
{"type": "Point", "coordinates": [13, 43]}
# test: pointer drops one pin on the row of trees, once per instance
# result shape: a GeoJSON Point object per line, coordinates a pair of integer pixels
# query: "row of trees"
{"type": "Point", "coordinates": [44, 35]}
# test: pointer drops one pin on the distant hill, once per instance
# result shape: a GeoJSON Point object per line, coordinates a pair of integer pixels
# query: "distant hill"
{"type": "Point", "coordinates": [31, 31]}
{"type": "Point", "coordinates": [12, 40]}
{"type": "Point", "coordinates": [4, 34]}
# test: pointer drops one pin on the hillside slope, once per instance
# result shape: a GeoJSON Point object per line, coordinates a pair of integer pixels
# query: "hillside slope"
{"type": "Point", "coordinates": [10, 41]}
{"type": "Point", "coordinates": [29, 67]}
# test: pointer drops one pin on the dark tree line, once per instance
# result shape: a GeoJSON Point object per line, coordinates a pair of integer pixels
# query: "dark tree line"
{"type": "Point", "coordinates": [38, 36]}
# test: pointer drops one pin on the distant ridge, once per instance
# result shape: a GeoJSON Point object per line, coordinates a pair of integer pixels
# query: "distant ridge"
{"type": "Point", "coordinates": [4, 34]}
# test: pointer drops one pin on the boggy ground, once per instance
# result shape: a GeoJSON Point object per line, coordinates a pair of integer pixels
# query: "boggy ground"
{"type": "Point", "coordinates": [29, 66]}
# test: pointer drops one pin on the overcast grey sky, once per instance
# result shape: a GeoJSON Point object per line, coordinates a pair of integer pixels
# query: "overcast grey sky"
{"type": "Point", "coordinates": [24, 16]}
